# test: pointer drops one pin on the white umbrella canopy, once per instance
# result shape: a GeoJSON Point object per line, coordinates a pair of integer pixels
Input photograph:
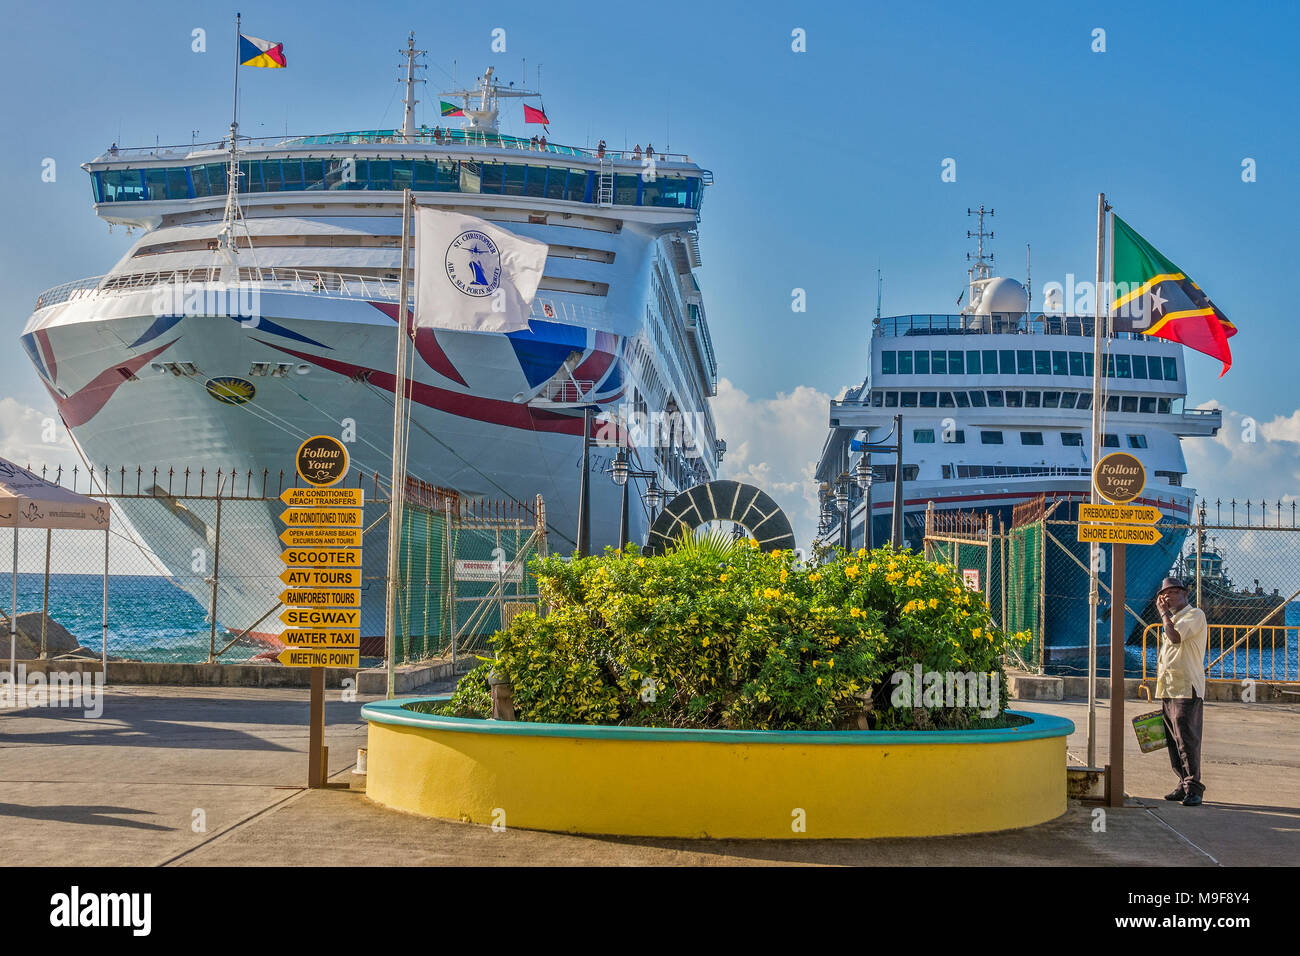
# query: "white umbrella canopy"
{"type": "Point", "coordinates": [29, 501]}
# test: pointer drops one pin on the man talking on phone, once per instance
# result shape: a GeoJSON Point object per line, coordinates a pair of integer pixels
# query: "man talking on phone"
{"type": "Point", "coordinates": [1180, 685]}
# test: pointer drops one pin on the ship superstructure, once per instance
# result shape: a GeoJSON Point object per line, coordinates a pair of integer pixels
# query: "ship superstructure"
{"type": "Point", "coordinates": [996, 406]}
{"type": "Point", "coordinates": [225, 336]}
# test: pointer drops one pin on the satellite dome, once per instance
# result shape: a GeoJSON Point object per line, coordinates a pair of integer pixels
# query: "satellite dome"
{"type": "Point", "coordinates": [1003, 295]}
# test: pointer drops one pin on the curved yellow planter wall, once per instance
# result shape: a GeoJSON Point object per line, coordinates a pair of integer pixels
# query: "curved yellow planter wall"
{"type": "Point", "coordinates": [634, 781]}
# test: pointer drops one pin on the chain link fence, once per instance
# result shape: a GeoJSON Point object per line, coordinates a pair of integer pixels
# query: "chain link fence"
{"type": "Point", "coordinates": [1240, 560]}
{"type": "Point", "coordinates": [190, 570]}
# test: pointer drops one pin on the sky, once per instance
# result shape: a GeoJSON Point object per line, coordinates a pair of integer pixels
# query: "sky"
{"type": "Point", "coordinates": [827, 164]}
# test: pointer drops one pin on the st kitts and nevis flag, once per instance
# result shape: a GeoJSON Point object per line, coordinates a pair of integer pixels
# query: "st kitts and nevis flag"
{"type": "Point", "coordinates": [255, 52]}
{"type": "Point", "coordinates": [1174, 305]}
{"type": "Point", "coordinates": [451, 109]}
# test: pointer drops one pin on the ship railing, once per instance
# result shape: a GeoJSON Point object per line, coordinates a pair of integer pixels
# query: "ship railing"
{"type": "Point", "coordinates": [1239, 652]}
{"type": "Point", "coordinates": [999, 323]}
{"type": "Point", "coordinates": [425, 136]}
{"type": "Point", "coordinates": [303, 282]}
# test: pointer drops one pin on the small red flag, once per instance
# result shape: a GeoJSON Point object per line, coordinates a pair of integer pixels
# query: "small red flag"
{"type": "Point", "coordinates": [533, 115]}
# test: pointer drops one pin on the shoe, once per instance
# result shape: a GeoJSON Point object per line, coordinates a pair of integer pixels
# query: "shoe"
{"type": "Point", "coordinates": [1192, 800]}
{"type": "Point", "coordinates": [1178, 794]}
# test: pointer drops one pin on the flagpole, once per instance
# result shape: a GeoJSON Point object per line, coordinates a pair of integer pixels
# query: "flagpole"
{"type": "Point", "coordinates": [398, 486]}
{"type": "Point", "coordinates": [234, 112]}
{"type": "Point", "coordinates": [1094, 549]}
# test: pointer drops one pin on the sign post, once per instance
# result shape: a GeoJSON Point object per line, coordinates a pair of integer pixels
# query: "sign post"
{"type": "Point", "coordinates": [323, 575]}
{"type": "Point", "coordinates": [1119, 478]}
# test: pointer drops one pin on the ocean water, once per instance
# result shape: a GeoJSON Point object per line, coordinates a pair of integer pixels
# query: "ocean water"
{"type": "Point", "coordinates": [149, 618]}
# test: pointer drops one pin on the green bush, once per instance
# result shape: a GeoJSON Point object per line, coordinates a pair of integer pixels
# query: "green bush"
{"type": "Point", "coordinates": [735, 638]}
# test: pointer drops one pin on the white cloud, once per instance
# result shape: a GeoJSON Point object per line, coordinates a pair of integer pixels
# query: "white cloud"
{"type": "Point", "coordinates": [34, 438]}
{"type": "Point", "coordinates": [773, 443]}
{"type": "Point", "coordinates": [1247, 460]}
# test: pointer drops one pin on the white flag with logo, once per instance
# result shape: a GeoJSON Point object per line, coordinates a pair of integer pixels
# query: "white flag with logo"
{"type": "Point", "coordinates": [472, 275]}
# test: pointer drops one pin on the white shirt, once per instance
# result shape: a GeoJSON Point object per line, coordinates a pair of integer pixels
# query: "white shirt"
{"type": "Point", "coordinates": [1180, 668]}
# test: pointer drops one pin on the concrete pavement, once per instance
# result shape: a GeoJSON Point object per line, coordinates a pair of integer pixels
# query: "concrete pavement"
{"type": "Point", "coordinates": [213, 775]}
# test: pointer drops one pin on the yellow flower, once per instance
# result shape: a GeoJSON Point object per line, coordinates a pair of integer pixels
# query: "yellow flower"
{"type": "Point", "coordinates": [640, 562]}
{"type": "Point", "coordinates": [722, 577]}
{"type": "Point", "coordinates": [977, 632]}
{"type": "Point", "coordinates": [831, 662]}
{"type": "Point", "coordinates": [815, 576]}
{"type": "Point", "coordinates": [862, 552]}
{"type": "Point", "coordinates": [819, 682]}
{"type": "Point", "coordinates": [706, 642]}
{"type": "Point", "coordinates": [934, 602]}
{"type": "Point", "coordinates": [855, 612]}
{"type": "Point", "coordinates": [784, 574]}
{"type": "Point", "coordinates": [852, 571]}
{"type": "Point", "coordinates": [771, 593]}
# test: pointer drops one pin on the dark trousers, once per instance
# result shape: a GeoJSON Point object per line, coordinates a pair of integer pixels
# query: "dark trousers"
{"type": "Point", "coordinates": [1182, 719]}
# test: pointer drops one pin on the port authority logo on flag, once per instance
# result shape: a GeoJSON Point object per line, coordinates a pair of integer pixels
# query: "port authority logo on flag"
{"type": "Point", "coordinates": [255, 52]}
{"type": "Point", "coordinates": [1172, 306]}
{"type": "Point", "coordinates": [472, 275]}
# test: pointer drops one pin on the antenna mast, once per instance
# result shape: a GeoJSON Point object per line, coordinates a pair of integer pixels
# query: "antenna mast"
{"type": "Point", "coordinates": [879, 282]}
{"type": "Point", "coordinates": [408, 121]}
{"type": "Point", "coordinates": [982, 269]}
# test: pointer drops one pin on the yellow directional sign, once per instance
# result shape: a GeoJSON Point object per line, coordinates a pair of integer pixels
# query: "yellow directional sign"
{"type": "Point", "coordinates": [324, 497]}
{"type": "Point", "coordinates": [322, 577]}
{"type": "Point", "coordinates": [320, 657]}
{"type": "Point", "coordinates": [315, 618]}
{"type": "Point", "coordinates": [299, 637]}
{"type": "Point", "coordinates": [322, 557]}
{"type": "Point", "coordinates": [322, 517]}
{"type": "Point", "coordinates": [1120, 514]}
{"type": "Point", "coordinates": [322, 537]}
{"type": "Point", "coordinates": [1119, 533]}
{"type": "Point", "coordinates": [321, 597]}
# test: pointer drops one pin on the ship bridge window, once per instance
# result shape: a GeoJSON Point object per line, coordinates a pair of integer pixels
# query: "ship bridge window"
{"type": "Point", "coordinates": [963, 400]}
{"type": "Point", "coordinates": [891, 399]}
{"type": "Point", "coordinates": [1042, 362]}
{"type": "Point", "coordinates": [1031, 438]}
{"type": "Point", "coordinates": [1072, 439]}
{"type": "Point", "coordinates": [1147, 405]}
{"type": "Point", "coordinates": [990, 438]}
{"type": "Point", "coordinates": [1109, 441]}
{"type": "Point", "coordinates": [921, 363]}
{"type": "Point", "coordinates": [1137, 441]}
{"type": "Point", "coordinates": [1083, 400]}
{"type": "Point", "coordinates": [1112, 403]}
{"type": "Point", "coordinates": [119, 185]}
{"type": "Point", "coordinates": [513, 184]}
{"type": "Point", "coordinates": [1163, 406]}
{"type": "Point", "coordinates": [1171, 369]}
{"type": "Point", "coordinates": [1024, 362]}
{"type": "Point", "coordinates": [923, 436]}
{"type": "Point", "coordinates": [885, 473]}
{"type": "Point", "coordinates": [625, 189]}
{"type": "Point", "coordinates": [929, 399]}
{"type": "Point", "coordinates": [908, 399]}
{"type": "Point", "coordinates": [972, 362]}
{"type": "Point", "coordinates": [1006, 362]}
{"type": "Point", "coordinates": [1175, 478]}
{"type": "Point", "coordinates": [945, 400]}
{"type": "Point", "coordinates": [1139, 366]}
{"type": "Point", "coordinates": [904, 363]}
{"type": "Point", "coordinates": [1154, 369]}
{"type": "Point", "coordinates": [977, 400]}
{"type": "Point", "coordinates": [1128, 403]}
{"type": "Point", "coordinates": [1060, 364]}
{"type": "Point", "coordinates": [1067, 399]}
{"type": "Point", "coordinates": [1051, 399]}
{"type": "Point", "coordinates": [1123, 366]}
{"type": "Point", "coordinates": [954, 436]}
{"type": "Point", "coordinates": [877, 399]}
{"type": "Point", "coordinates": [939, 362]}
{"type": "Point", "coordinates": [1076, 363]}
{"type": "Point", "coordinates": [1015, 399]}
{"type": "Point", "coordinates": [1033, 399]}
{"type": "Point", "coordinates": [990, 361]}
{"type": "Point", "coordinates": [995, 399]}
{"type": "Point", "coordinates": [888, 363]}
{"type": "Point", "coordinates": [955, 363]}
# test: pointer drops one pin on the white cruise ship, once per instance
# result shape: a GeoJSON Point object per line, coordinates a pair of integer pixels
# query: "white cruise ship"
{"type": "Point", "coordinates": [618, 324]}
{"type": "Point", "coordinates": [996, 411]}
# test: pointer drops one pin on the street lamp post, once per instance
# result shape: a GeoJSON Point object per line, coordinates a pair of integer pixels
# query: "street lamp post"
{"type": "Point", "coordinates": [862, 475]}
{"type": "Point", "coordinates": [584, 496]}
{"type": "Point", "coordinates": [620, 471]}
